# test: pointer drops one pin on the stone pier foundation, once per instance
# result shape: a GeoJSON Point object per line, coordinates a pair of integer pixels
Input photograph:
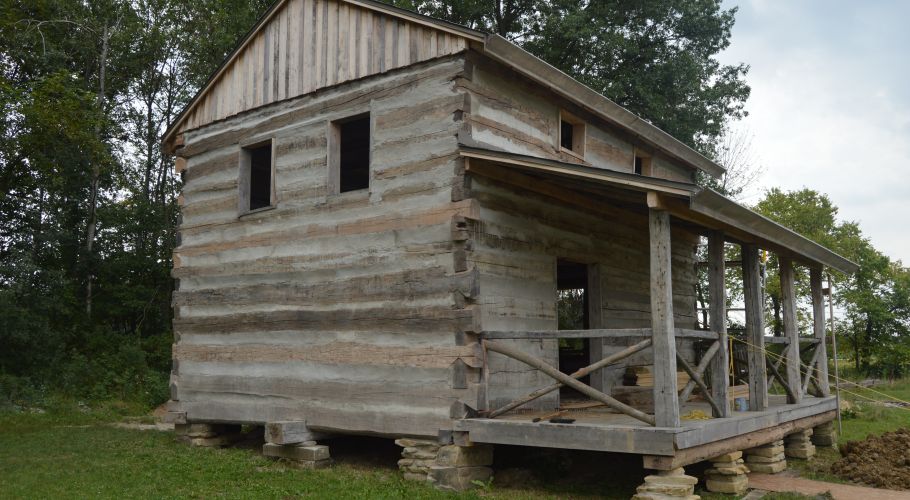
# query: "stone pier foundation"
{"type": "Point", "coordinates": [727, 474]}
{"type": "Point", "coordinates": [448, 467]}
{"type": "Point", "coordinates": [303, 455]}
{"type": "Point", "coordinates": [663, 485]}
{"type": "Point", "coordinates": [799, 445]}
{"type": "Point", "coordinates": [825, 434]}
{"type": "Point", "coordinates": [208, 435]}
{"type": "Point", "coordinates": [768, 459]}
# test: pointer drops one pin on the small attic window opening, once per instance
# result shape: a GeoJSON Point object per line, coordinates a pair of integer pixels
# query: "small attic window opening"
{"type": "Point", "coordinates": [571, 134]}
{"type": "Point", "coordinates": [352, 153]}
{"type": "Point", "coordinates": [258, 176]}
{"type": "Point", "coordinates": [642, 164]}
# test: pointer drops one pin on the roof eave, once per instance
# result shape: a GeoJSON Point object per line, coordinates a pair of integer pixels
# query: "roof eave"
{"type": "Point", "coordinates": [716, 206]}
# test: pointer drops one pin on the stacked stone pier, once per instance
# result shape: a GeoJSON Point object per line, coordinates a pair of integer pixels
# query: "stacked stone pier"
{"type": "Point", "coordinates": [767, 459]}
{"type": "Point", "coordinates": [446, 466]}
{"type": "Point", "coordinates": [208, 435]}
{"type": "Point", "coordinates": [666, 485]}
{"type": "Point", "coordinates": [727, 474]}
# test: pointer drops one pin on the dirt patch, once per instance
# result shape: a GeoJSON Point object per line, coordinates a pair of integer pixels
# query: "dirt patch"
{"type": "Point", "coordinates": [880, 461]}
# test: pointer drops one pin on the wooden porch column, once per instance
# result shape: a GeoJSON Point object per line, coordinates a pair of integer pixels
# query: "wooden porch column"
{"type": "Point", "coordinates": [818, 320]}
{"type": "Point", "coordinates": [720, 365]}
{"type": "Point", "coordinates": [755, 328]}
{"type": "Point", "coordinates": [666, 397]}
{"type": "Point", "coordinates": [791, 330]}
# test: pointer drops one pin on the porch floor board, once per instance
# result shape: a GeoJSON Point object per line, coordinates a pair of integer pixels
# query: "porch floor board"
{"type": "Point", "coordinates": [600, 429]}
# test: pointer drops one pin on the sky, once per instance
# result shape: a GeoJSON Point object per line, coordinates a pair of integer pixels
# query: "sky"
{"type": "Point", "coordinates": [830, 106]}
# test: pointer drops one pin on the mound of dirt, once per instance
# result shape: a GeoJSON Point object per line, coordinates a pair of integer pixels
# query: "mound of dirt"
{"type": "Point", "coordinates": [880, 461]}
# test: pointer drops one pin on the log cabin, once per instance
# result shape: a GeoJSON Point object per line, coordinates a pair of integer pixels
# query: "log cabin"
{"type": "Point", "coordinates": [379, 213]}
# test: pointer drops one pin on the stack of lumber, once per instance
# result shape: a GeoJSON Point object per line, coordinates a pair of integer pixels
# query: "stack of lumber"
{"type": "Point", "coordinates": [645, 377]}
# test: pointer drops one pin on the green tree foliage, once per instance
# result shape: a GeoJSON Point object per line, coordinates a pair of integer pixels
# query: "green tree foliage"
{"type": "Point", "coordinates": [876, 299]}
{"type": "Point", "coordinates": [88, 203]}
{"type": "Point", "coordinates": [654, 57]}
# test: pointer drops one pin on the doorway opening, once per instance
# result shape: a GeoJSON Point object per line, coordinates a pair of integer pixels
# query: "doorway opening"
{"type": "Point", "coordinates": [572, 296]}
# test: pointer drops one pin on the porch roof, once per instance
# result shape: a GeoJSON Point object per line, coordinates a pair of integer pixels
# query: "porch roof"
{"type": "Point", "coordinates": [702, 206]}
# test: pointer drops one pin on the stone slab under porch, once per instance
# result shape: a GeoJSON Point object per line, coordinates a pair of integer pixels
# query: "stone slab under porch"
{"type": "Point", "coordinates": [663, 448]}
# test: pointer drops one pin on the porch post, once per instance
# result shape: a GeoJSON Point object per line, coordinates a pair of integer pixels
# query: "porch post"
{"type": "Point", "coordinates": [666, 397]}
{"type": "Point", "coordinates": [818, 321]}
{"type": "Point", "coordinates": [755, 328]}
{"type": "Point", "coordinates": [720, 364]}
{"type": "Point", "coordinates": [788, 304]}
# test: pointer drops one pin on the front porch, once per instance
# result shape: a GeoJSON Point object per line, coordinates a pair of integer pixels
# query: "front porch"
{"type": "Point", "coordinates": [663, 431]}
{"type": "Point", "coordinates": [663, 448]}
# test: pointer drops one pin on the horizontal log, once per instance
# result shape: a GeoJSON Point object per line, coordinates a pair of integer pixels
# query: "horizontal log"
{"type": "Point", "coordinates": [681, 333]}
{"type": "Point", "coordinates": [332, 353]}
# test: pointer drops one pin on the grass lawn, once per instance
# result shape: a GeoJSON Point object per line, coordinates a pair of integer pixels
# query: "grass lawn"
{"type": "Point", "coordinates": [68, 453]}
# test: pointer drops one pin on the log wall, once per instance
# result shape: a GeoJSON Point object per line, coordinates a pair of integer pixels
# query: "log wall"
{"type": "Point", "coordinates": [344, 310]}
{"type": "Point", "coordinates": [510, 113]}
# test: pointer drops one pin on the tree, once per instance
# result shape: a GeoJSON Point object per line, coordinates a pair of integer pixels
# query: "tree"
{"type": "Point", "coordinates": [654, 57]}
{"type": "Point", "coordinates": [876, 299]}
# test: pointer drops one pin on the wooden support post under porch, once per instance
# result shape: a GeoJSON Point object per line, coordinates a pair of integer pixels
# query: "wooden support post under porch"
{"type": "Point", "coordinates": [818, 320]}
{"type": "Point", "coordinates": [666, 397]}
{"type": "Point", "coordinates": [755, 328]}
{"type": "Point", "coordinates": [791, 329]}
{"type": "Point", "coordinates": [720, 379]}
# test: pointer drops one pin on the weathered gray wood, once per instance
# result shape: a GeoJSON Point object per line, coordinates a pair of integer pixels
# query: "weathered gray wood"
{"type": "Point", "coordinates": [755, 328]}
{"type": "Point", "coordinates": [791, 328]}
{"type": "Point", "coordinates": [703, 364]}
{"type": "Point", "coordinates": [810, 368]}
{"type": "Point", "coordinates": [818, 323]}
{"type": "Point", "coordinates": [576, 375]}
{"type": "Point", "coordinates": [737, 442]}
{"type": "Point", "coordinates": [576, 436]}
{"type": "Point", "coordinates": [717, 296]}
{"type": "Point", "coordinates": [698, 380]}
{"type": "Point", "coordinates": [569, 381]}
{"type": "Point", "coordinates": [666, 397]}
{"type": "Point", "coordinates": [775, 374]}
{"type": "Point", "coordinates": [598, 379]}
{"type": "Point", "coordinates": [289, 432]}
{"type": "Point", "coordinates": [681, 333]}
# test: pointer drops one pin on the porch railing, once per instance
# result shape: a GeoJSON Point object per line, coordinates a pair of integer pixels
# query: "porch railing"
{"type": "Point", "coordinates": [696, 373]}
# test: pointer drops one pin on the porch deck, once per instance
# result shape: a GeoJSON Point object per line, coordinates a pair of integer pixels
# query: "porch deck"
{"type": "Point", "coordinates": [600, 429]}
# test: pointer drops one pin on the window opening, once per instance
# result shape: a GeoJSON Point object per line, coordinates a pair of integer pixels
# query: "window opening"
{"type": "Point", "coordinates": [353, 150]}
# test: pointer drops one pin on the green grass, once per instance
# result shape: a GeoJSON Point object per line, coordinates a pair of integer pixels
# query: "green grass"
{"type": "Point", "coordinates": [72, 451]}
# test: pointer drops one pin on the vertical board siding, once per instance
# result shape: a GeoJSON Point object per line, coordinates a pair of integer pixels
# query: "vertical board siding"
{"type": "Point", "coordinates": [312, 44]}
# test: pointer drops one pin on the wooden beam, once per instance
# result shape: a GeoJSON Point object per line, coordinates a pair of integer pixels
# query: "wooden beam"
{"type": "Point", "coordinates": [717, 297]}
{"type": "Point", "coordinates": [737, 443]}
{"type": "Point", "coordinates": [681, 333]}
{"type": "Point", "coordinates": [791, 330]}
{"type": "Point", "coordinates": [755, 328]}
{"type": "Point", "coordinates": [551, 372]}
{"type": "Point", "coordinates": [700, 370]}
{"type": "Point", "coordinates": [775, 374]}
{"type": "Point", "coordinates": [619, 356]}
{"type": "Point", "coordinates": [810, 368]}
{"type": "Point", "coordinates": [818, 321]}
{"type": "Point", "coordinates": [666, 397]}
{"type": "Point", "coordinates": [698, 380]}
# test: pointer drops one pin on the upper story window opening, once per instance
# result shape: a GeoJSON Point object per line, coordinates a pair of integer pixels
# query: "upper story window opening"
{"type": "Point", "coordinates": [350, 154]}
{"type": "Point", "coordinates": [571, 134]}
{"type": "Point", "coordinates": [642, 164]}
{"type": "Point", "coordinates": [257, 177]}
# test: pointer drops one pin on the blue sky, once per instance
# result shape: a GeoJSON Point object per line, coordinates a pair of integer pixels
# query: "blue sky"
{"type": "Point", "coordinates": [830, 106]}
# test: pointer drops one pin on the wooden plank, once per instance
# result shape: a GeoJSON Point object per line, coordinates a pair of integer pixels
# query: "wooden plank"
{"type": "Point", "coordinates": [707, 359]}
{"type": "Point", "coordinates": [577, 436]}
{"type": "Point", "coordinates": [289, 432]}
{"type": "Point", "coordinates": [755, 328]}
{"type": "Point", "coordinates": [595, 313]}
{"type": "Point", "coordinates": [717, 296]}
{"type": "Point", "coordinates": [681, 333]}
{"type": "Point", "coordinates": [818, 324]}
{"type": "Point", "coordinates": [738, 442]}
{"type": "Point", "coordinates": [666, 398]}
{"type": "Point", "coordinates": [791, 328]}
